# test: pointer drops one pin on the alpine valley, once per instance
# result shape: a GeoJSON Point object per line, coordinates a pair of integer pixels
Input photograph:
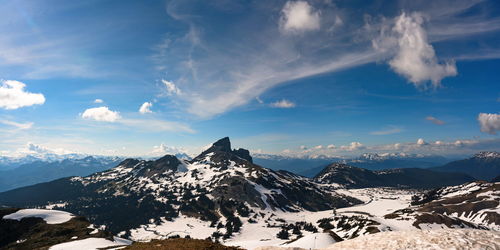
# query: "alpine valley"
{"type": "Point", "coordinates": [222, 195]}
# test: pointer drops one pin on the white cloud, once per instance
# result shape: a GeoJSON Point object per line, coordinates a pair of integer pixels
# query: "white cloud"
{"type": "Point", "coordinates": [283, 104]}
{"type": "Point", "coordinates": [35, 149]}
{"type": "Point", "coordinates": [490, 123]}
{"type": "Point", "coordinates": [102, 114]}
{"type": "Point", "coordinates": [98, 101]}
{"type": "Point", "coordinates": [13, 95]}
{"type": "Point", "coordinates": [146, 108]}
{"type": "Point", "coordinates": [171, 87]}
{"type": "Point", "coordinates": [353, 146]}
{"type": "Point", "coordinates": [414, 57]}
{"type": "Point", "coordinates": [393, 130]}
{"type": "Point", "coordinates": [299, 16]}
{"type": "Point", "coordinates": [421, 141]}
{"type": "Point", "coordinates": [435, 120]}
{"type": "Point", "coordinates": [22, 126]}
{"type": "Point", "coordinates": [163, 149]}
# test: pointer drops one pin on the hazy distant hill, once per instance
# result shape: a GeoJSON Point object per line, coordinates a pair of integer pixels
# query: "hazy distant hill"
{"type": "Point", "coordinates": [43, 171]}
{"type": "Point", "coordinates": [353, 177]}
{"type": "Point", "coordinates": [311, 166]}
{"type": "Point", "coordinates": [482, 166]}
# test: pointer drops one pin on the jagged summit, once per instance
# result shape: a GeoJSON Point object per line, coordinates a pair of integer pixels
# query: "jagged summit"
{"type": "Point", "coordinates": [224, 146]}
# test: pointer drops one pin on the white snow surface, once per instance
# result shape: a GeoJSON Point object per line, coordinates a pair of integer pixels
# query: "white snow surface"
{"type": "Point", "coordinates": [312, 241]}
{"type": "Point", "coordinates": [424, 239]}
{"type": "Point", "coordinates": [50, 216]}
{"type": "Point", "coordinates": [90, 244]}
{"type": "Point", "coordinates": [419, 239]}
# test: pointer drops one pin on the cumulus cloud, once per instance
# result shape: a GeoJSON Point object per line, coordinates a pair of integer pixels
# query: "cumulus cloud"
{"type": "Point", "coordinates": [34, 149]}
{"type": "Point", "coordinates": [98, 101]}
{"type": "Point", "coordinates": [14, 96]}
{"type": "Point", "coordinates": [353, 146]}
{"type": "Point", "coordinates": [421, 141]}
{"type": "Point", "coordinates": [434, 120]}
{"type": "Point", "coordinates": [163, 149]}
{"type": "Point", "coordinates": [146, 108]}
{"type": "Point", "coordinates": [283, 104]}
{"type": "Point", "coordinates": [489, 123]}
{"type": "Point", "coordinates": [171, 87]}
{"type": "Point", "coordinates": [299, 16]}
{"type": "Point", "coordinates": [102, 114]}
{"type": "Point", "coordinates": [17, 125]}
{"type": "Point", "coordinates": [414, 57]}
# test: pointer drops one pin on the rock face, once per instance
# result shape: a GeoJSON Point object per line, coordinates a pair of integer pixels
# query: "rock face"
{"type": "Point", "coordinates": [221, 186]}
{"type": "Point", "coordinates": [353, 177]}
{"type": "Point", "coordinates": [482, 166]}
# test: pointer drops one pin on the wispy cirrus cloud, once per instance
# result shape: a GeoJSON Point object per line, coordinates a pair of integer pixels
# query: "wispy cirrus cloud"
{"type": "Point", "coordinates": [434, 120]}
{"type": "Point", "coordinates": [18, 125]}
{"type": "Point", "coordinates": [388, 131]}
{"type": "Point", "coordinates": [219, 72]}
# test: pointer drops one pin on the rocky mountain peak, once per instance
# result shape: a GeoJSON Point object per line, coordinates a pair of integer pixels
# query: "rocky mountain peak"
{"type": "Point", "coordinates": [224, 146]}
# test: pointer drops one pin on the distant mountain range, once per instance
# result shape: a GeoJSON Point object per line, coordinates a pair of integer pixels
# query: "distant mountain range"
{"type": "Point", "coordinates": [353, 177]}
{"type": "Point", "coordinates": [311, 166]}
{"type": "Point", "coordinates": [482, 166]}
{"type": "Point", "coordinates": [50, 169]}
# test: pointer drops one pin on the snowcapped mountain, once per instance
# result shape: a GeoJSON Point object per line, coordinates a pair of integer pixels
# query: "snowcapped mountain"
{"type": "Point", "coordinates": [220, 187]}
{"type": "Point", "coordinates": [482, 166]}
{"type": "Point", "coordinates": [353, 177]}
{"type": "Point", "coordinates": [487, 155]}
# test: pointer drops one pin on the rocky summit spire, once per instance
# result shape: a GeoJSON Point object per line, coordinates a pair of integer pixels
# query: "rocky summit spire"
{"type": "Point", "coordinates": [223, 145]}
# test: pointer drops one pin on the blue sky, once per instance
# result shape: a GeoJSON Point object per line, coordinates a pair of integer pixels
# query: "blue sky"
{"type": "Point", "coordinates": [289, 77]}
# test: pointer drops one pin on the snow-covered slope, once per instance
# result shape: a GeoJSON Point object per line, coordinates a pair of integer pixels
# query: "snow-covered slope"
{"type": "Point", "coordinates": [91, 244]}
{"type": "Point", "coordinates": [421, 239]}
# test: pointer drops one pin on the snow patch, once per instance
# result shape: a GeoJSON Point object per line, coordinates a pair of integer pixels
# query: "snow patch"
{"type": "Point", "coordinates": [50, 216]}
